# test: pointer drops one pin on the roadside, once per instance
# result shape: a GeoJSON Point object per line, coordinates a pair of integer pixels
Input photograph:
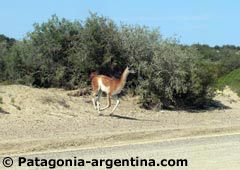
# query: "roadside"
{"type": "Point", "coordinates": [199, 153]}
{"type": "Point", "coordinates": [37, 120]}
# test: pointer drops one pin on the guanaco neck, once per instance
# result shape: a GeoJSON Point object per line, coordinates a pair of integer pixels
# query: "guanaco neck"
{"type": "Point", "coordinates": [123, 78]}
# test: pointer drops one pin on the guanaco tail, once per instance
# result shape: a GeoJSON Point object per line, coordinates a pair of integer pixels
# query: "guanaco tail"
{"type": "Point", "coordinates": [111, 86]}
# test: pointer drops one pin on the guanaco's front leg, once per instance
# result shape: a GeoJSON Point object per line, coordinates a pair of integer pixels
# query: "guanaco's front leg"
{"type": "Point", "coordinates": [109, 102]}
{"type": "Point", "coordinates": [117, 103]}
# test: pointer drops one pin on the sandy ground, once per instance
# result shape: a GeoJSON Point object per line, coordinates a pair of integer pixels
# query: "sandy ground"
{"type": "Point", "coordinates": [36, 120]}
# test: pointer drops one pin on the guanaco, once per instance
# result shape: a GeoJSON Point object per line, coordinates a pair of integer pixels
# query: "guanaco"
{"type": "Point", "coordinates": [111, 86]}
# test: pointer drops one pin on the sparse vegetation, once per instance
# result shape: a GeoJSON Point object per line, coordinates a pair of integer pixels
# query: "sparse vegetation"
{"type": "Point", "coordinates": [55, 100]}
{"type": "Point", "coordinates": [221, 60]}
{"type": "Point", "coordinates": [13, 104]}
{"type": "Point", "coordinates": [12, 100]}
{"type": "Point", "coordinates": [1, 102]}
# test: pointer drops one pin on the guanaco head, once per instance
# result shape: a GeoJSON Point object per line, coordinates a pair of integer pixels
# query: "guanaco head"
{"type": "Point", "coordinates": [130, 69]}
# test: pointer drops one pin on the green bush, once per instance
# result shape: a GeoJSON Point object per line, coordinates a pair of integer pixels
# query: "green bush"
{"type": "Point", "coordinates": [60, 53]}
{"type": "Point", "coordinates": [168, 75]}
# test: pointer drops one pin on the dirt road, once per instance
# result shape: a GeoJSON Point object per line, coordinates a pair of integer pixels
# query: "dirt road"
{"type": "Point", "coordinates": [221, 152]}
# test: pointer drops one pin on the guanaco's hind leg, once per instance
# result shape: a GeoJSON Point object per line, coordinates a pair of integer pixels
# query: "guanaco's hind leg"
{"type": "Point", "coordinates": [93, 99]}
{"type": "Point", "coordinates": [98, 101]}
{"type": "Point", "coordinates": [96, 96]}
{"type": "Point", "coordinates": [109, 102]}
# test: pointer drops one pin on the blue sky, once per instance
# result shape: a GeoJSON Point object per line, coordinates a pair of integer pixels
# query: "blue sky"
{"type": "Point", "coordinates": [213, 22]}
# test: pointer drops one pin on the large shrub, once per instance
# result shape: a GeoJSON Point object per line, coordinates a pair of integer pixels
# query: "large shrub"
{"type": "Point", "coordinates": [168, 75]}
{"type": "Point", "coordinates": [61, 53]}
{"type": "Point", "coordinates": [99, 48]}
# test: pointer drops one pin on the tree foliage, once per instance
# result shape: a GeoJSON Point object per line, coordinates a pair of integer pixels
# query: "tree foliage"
{"type": "Point", "coordinates": [5, 45]}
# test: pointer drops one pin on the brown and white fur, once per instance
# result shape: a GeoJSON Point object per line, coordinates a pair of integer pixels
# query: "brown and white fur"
{"type": "Point", "coordinates": [111, 86]}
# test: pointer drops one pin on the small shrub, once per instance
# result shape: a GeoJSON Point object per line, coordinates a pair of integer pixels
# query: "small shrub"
{"type": "Point", "coordinates": [1, 100]}
{"type": "Point", "coordinates": [168, 75]}
{"type": "Point", "coordinates": [12, 100]}
{"type": "Point", "coordinates": [52, 100]}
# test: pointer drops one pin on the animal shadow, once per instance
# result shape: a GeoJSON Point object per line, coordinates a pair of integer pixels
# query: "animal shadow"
{"type": "Point", "coordinates": [127, 118]}
{"type": "Point", "coordinates": [123, 117]}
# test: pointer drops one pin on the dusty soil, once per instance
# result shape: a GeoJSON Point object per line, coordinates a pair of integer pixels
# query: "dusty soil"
{"type": "Point", "coordinates": [36, 120]}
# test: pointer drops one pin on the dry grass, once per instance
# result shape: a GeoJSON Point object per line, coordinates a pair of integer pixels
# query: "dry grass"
{"type": "Point", "coordinates": [51, 100]}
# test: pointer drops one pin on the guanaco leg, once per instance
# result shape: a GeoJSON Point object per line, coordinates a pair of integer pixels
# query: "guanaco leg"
{"type": "Point", "coordinates": [117, 103]}
{"type": "Point", "coordinates": [109, 102]}
{"type": "Point", "coordinates": [96, 96]}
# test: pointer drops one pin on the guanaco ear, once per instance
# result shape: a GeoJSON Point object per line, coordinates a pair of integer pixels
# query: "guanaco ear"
{"type": "Point", "coordinates": [131, 68]}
